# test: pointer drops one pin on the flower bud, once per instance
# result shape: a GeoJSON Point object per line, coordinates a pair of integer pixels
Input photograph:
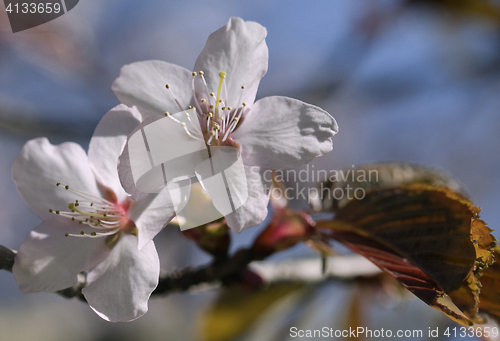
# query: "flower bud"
{"type": "Point", "coordinates": [213, 238]}
{"type": "Point", "coordinates": [287, 228]}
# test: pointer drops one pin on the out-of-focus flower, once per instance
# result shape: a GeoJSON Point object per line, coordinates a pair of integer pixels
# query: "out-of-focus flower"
{"type": "Point", "coordinates": [272, 133]}
{"type": "Point", "coordinates": [89, 223]}
{"type": "Point", "coordinates": [286, 229]}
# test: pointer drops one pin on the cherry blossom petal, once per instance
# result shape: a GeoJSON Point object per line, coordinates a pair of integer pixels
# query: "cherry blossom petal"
{"type": "Point", "coordinates": [281, 132]}
{"type": "Point", "coordinates": [48, 261]}
{"type": "Point", "coordinates": [240, 50]}
{"type": "Point", "coordinates": [118, 289]}
{"type": "Point", "coordinates": [125, 168]}
{"type": "Point", "coordinates": [143, 84]}
{"type": "Point", "coordinates": [151, 215]}
{"type": "Point", "coordinates": [41, 165]}
{"type": "Point", "coordinates": [107, 144]}
{"type": "Point", "coordinates": [254, 210]}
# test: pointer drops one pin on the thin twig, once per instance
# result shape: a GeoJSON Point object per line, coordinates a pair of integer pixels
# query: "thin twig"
{"type": "Point", "coordinates": [6, 258]}
{"type": "Point", "coordinates": [303, 270]}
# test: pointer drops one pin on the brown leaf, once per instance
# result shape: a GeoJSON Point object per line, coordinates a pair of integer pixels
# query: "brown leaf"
{"type": "Point", "coordinates": [410, 276]}
{"type": "Point", "coordinates": [489, 299]}
{"type": "Point", "coordinates": [477, 8]}
{"type": "Point", "coordinates": [380, 175]}
{"type": "Point", "coordinates": [425, 238]}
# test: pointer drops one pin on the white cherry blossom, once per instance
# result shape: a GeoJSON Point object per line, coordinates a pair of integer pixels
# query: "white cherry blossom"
{"type": "Point", "coordinates": [89, 223]}
{"type": "Point", "coordinates": [272, 133]}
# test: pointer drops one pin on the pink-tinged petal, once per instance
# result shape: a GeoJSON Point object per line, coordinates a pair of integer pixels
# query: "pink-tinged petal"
{"type": "Point", "coordinates": [254, 210]}
{"type": "Point", "coordinates": [143, 84]}
{"type": "Point", "coordinates": [107, 144]}
{"type": "Point", "coordinates": [48, 261]}
{"type": "Point", "coordinates": [118, 289]}
{"type": "Point", "coordinates": [41, 165]}
{"type": "Point", "coordinates": [238, 49]}
{"type": "Point", "coordinates": [151, 214]}
{"type": "Point", "coordinates": [281, 132]}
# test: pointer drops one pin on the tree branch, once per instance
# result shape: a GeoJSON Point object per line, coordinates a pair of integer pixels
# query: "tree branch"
{"type": "Point", "coordinates": [303, 270]}
{"type": "Point", "coordinates": [7, 258]}
{"type": "Point", "coordinates": [218, 270]}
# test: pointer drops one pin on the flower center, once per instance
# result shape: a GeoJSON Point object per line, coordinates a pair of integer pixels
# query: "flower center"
{"type": "Point", "coordinates": [217, 118]}
{"type": "Point", "coordinates": [104, 216]}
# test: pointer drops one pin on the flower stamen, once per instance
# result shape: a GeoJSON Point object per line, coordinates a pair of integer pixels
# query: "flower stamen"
{"type": "Point", "coordinates": [222, 76]}
{"type": "Point", "coordinates": [169, 88]}
{"type": "Point", "coordinates": [98, 213]}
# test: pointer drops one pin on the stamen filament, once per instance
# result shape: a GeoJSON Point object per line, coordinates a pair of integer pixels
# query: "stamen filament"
{"type": "Point", "coordinates": [72, 207]}
{"type": "Point", "coordinates": [173, 96]}
{"type": "Point", "coordinates": [95, 235]}
{"type": "Point", "coordinates": [206, 86]}
{"type": "Point", "coordinates": [222, 76]}
{"type": "Point", "coordinates": [84, 195]}
{"type": "Point", "coordinates": [194, 94]}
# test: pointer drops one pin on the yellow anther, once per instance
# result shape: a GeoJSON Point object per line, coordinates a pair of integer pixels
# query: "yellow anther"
{"type": "Point", "coordinates": [244, 104]}
{"type": "Point", "coordinates": [223, 108]}
{"type": "Point", "coordinates": [167, 113]}
{"type": "Point", "coordinates": [212, 132]}
{"type": "Point", "coordinates": [93, 234]}
{"type": "Point", "coordinates": [190, 107]}
{"type": "Point", "coordinates": [194, 74]}
{"type": "Point", "coordinates": [167, 86]}
{"type": "Point", "coordinates": [236, 119]}
{"type": "Point", "coordinates": [57, 212]}
{"type": "Point", "coordinates": [82, 233]}
{"type": "Point", "coordinates": [57, 184]}
{"type": "Point", "coordinates": [66, 234]}
{"type": "Point", "coordinates": [211, 106]}
{"type": "Point", "coordinates": [220, 101]}
{"type": "Point", "coordinates": [183, 124]}
{"type": "Point", "coordinates": [203, 100]}
{"type": "Point", "coordinates": [187, 115]}
{"type": "Point", "coordinates": [222, 74]}
{"type": "Point", "coordinates": [212, 94]}
{"type": "Point", "coordinates": [51, 210]}
{"type": "Point", "coordinates": [210, 114]}
{"type": "Point", "coordinates": [201, 73]}
{"type": "Point", "coordinates": [229, 108]}
{"type": "Point", "coordinates": [66, 187]}
{"type": "Point", "coordinates": [243, 87]}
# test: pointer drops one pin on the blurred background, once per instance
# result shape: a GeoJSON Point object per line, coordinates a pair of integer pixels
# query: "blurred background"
{"type": "Point", "coordinates": [413, 81]}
